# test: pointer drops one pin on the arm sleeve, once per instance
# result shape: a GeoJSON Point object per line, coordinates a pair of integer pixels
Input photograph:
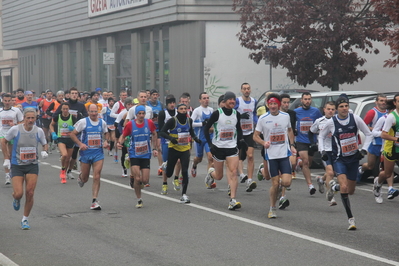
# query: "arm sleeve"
{"type": "Point", "coordinates": [12, 133]}
{"type": "Point", "coordinates": [377, 129]}
{"type": "Point", "coordinates": [191, 128]}
{"type": "Point", "coordinates": [80, 125]}
{"type": "Point", "coordinates": [238, 127]}
{"type": "Point", "coordinates": [369, 117]}
{"type": "Point", "coordinates": [161, 119]}
{"type": "Point", "coordinates": [130, 114]}
{"type": "Point", "coordinates": [214, 117]}
{"type": "Point", "coordinates": [170, 124]}
{"type": "Point", "coordinates": [329, 127]}
{"type": "Point", "coordinates": [361, 125]}
{"type": "Point", "coordinates": [196, 119]}
{"type": "Point", "coordinates": [115, 109]}
{"type": "Point", "coordinates": [127, 131]}
{"type": "Point", "coordinates": [389, 122]}
{"type": "Point", "coordinates": [42, 137]}
{"type": "Point", "coordinates": [51, 107]}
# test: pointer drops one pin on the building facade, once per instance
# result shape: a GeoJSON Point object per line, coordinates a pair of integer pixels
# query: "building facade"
{"type": "Point", "coordinates": [174, 46]}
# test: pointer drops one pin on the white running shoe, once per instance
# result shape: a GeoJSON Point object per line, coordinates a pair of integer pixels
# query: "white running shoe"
{"type": "Point", "coordinates": [8, 179]}
{"type": "Point", "coordinates": [352, 225]}
{"type": "Point", "coordinates": [320, 182]}
{"type": "Point", "coordinates": [184, 199]}
{"type": "Point", "coordinates": [70, 176]}
{"type": "Point", "coordinates": [209, 181]}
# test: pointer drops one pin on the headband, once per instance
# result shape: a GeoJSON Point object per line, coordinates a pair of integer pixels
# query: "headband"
{"type": "Point", "coordinates": [274, 100]}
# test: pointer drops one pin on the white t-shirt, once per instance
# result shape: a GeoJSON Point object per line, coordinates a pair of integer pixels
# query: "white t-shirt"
{"type": "Point", "coordinates": [6, 116]}
{"type": "Point", "coordinates": [120, 116]}
{"type": "Point", "coordinates": [275, 129]}
{"type": "Point", "coordinates": [197, 115]}
{"type": "Point", "coordinates": [317, 126]}
{"type": "Point", "coordinates": [132, 111]}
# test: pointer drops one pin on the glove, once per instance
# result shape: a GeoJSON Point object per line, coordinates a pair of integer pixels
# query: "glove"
{"type": "Point", "coordinates": [242, 145]}
{"type": "Point", "coordinates": [173, 140]}
{"type": "Point", "coordinates": [324, 156]}
{"type": "Point", "coordinates": [44, 154]}
{"type": "Point", "coordinates": [54, 136]}
{"type": "Point", "coordinates": [204, 122]}
{"type": "Point", "coordinates": [361, 154]}
{"type": "Point", "coordinates": [244, 116]}
{"type": "Point", "coordinates": [313, 147]}
{"type": "Point", "coordinates": [71, 128]}
{"type": "Point", "coordinates": [196, 139]}
{"type": "Point", "coordinates": [7, 163]}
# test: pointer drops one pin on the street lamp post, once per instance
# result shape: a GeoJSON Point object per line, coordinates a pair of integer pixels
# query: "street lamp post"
{"type": "Point", "coordinates": [267, 62]}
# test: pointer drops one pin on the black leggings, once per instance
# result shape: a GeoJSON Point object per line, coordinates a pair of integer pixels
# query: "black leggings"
{"type": "Point", "coordinates": [124, 152]}
{"type": "Point", "coordinates": [75, 152]}
{"type": "Point", "coordinates": [173, 156]}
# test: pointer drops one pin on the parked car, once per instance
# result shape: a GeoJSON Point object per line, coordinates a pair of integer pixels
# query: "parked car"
{"type": "Point", "coordinates": [319, 99]}
{"type": "Point", "coordinates": [294, 94]}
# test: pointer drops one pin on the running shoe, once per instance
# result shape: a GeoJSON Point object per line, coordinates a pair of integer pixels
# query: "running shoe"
{"type": "Point", "coordinates": [251, 185]}
{"type": "Point", "coordinates": [80, 181]}
{"type": "Point", "coordinates": [283, 203]}
{"type": "Point", "coordinates": [16, 204]}
{"type": "Point", "coordinates": [352, 225]}
{"type": "Point", "coordinates": [392, 193]}
{"type": "Point", "coordinates": [160, 171]}
{"type": "Point", "coordinates": [139, 204]}
{"type": "Point", "coordinates": [95, 206]}
{"type": "Point", "coordinates": [180, 179]}
{"type": "Point", "coordinates": [359, 174]}
{"type": "Point", "coordinates": [63, 176]}
{"type": "Point", "coordinates": [25, 225]}
{"type": "Point", "coordinates": [8, 179]}
{"type": "Point", "coordinates": [164, 190]}
{"type": "Point", "coordinates": [142, 185]}
{"type": "Point", "coordinates": [330, 191]}
{"type": "Point", "coordinates": [376, 188]}
{"type": "Point", "coordinates": [124, 173]}
{"type": "Point", "coordinates": [209, 181]}
{"type": "Point", "coordinates": [131, 182]}
{"type": "Point", "coordinates": [333, 202]}
{"type": "Point", "coordinates": [312, 190]}
{"type": "Point", "coordinates": [243, 178]}
{"type": "Point", "coordinates": [147, 185]}
{"type": "Point", "coordinates": [293, 175]}
{"type": "Point", "coordinates": [110, 153]}
{"type": "Point", "coordinates": [272, 214]}
{"type": "Point", "coordinates": [228, 190]}
{"type": "Point", "coordinates": [70, 175]}
{"type": "Point", "coordinates": [163, 166]}
{"type": "Point", "coordinates": [116, 158]}
{"type": "Point", "coordinates": [260, 174]}
{"type": "Point", "coordinates": [320, 182]}
{"type": "Point", "coordinates": [233, 205]}
{"type": "Point", "coordinates": [176, 184]}
{"type": "Point", "coordinates": [193, 171]}
{"type": "Point", "coordinates": [184, 199]}
{"type": "Point", "coordinates": [75, 166]}
{"type": "Point", "coordinates": [298, 167]}
{"type": "Point", "coordinates": [126, 162]}
{"type": "Point", "coordinates": [279, 191]}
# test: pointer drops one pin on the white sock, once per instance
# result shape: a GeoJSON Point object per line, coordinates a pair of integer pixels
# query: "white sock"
{"type": "Point", "coordinates": [24, 218]}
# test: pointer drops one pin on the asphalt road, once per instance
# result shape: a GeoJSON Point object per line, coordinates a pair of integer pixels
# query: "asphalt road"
{"type": "Point", "coordinates": [64, 231]}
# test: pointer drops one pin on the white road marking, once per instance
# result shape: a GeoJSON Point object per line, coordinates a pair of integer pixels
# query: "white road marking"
{"type": "Point", "coordinates": [249, 221]}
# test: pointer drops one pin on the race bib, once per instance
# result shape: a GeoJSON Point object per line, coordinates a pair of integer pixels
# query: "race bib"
{"type": "Point", "coordinates": [349, 146]}
{"type": "Point", "coordinates": [304, 126]}
{"type": "Point", "coordinates": [64, 132]}
{"type": "Point", "coordinates": [6, 122]}
{"type": "Point", "coordinates": [141, 147]}
{"type": "Point", "coordinates": [94, 141]}
{"type": "Point", "coordinates": [183, 138]}
{"type": "Point", "coordinates": [27, 154]}
{"type": "Point", "coordinates": [277, 138]}
{"type": "Point", "coordinates": [226, 134]}
{"type": "Point", "coordinates": [246, 125]}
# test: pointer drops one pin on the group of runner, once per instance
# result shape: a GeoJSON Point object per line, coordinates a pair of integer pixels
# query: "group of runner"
{"type": "Point", "coordinates": [143, 127]}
